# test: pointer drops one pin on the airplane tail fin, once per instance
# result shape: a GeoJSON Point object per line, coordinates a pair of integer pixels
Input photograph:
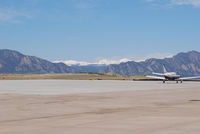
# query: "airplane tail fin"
{"type": "Point", "coordinates": [164, 69]}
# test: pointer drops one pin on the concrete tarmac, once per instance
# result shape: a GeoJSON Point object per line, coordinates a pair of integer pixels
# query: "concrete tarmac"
{"type": "Point", "coordinates": [157, 109]}
{"type": "Point", "coordinates": [56, 87]}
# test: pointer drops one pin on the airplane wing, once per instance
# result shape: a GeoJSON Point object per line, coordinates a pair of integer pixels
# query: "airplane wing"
{"type": "Point", "coordinates": [158, 74]}
{"type": "Point", "coordinates": [190, 78]}
{"type": "Point", "coordinates": [155, 77]}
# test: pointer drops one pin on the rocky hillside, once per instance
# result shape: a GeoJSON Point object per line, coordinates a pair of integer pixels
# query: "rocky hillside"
{"type": "Point", "coordinates": [185, 64]}
{"type": "Point", "coordinates": [15, 62]}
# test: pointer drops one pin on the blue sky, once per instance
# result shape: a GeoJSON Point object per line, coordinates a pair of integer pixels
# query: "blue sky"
{"type": "Point", "coordinates": [91, 30]}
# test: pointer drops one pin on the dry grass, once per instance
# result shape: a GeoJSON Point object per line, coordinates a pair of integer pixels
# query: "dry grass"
{"type": "Point", "coordinates": [78, 76]}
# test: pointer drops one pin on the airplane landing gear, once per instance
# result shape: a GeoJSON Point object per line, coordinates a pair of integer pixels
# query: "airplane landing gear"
{"type": "Point", "coordinates": [163, 81]}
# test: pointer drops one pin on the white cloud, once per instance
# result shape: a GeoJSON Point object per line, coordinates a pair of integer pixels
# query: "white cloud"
{"type": "Point", "coordinates": [100, 62]}
{"type": "Point", "coordinates": [73, 62]}
{"type": "Point", "coordinates": [111, 61]}
{"type": "Point", "coordinates": [195, 3]}
{"type": "Point", "coordinates": [12, 16]}
{"type": "Point", "coordinates": [159, 55]}
{"type": "Point", "coordinates": [107, 62]}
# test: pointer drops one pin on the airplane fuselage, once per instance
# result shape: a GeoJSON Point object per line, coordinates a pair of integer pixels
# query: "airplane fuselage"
{"type": "Point", "coordinates": [171, 76]}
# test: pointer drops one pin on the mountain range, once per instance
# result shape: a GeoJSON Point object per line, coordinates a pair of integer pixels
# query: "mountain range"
{"type": "Point", "coordinates": [15, 62]}
{"type": "Point", "coordinates": [185, 64]}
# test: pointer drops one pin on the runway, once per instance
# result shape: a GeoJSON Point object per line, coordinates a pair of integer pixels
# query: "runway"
{"type": "Point", "coordinates": [123, 107]}
{"type": "Point", "coordinates": [56, 87]}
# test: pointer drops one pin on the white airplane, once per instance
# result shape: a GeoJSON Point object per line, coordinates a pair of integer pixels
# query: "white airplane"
{"type": "Point", "coordinates": [171, 76]}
